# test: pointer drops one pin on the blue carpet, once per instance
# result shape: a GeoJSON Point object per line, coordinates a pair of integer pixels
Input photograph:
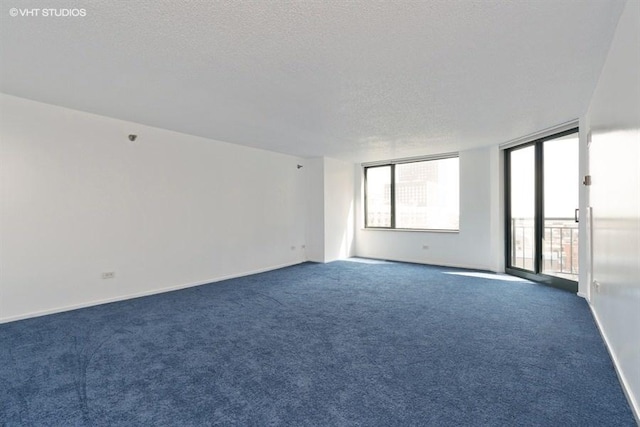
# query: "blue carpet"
{"type": "Point", "coordinates": [339, 344]}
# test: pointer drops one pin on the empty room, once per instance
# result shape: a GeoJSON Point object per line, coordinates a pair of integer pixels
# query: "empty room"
{"type": "Point", "coordinates": [320, 213]}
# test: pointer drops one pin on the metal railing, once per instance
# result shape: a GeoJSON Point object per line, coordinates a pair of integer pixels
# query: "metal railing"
{"type": "Point", "coordinates": [559, 247]}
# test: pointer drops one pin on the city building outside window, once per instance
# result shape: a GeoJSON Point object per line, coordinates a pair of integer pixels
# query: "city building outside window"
{"type": "Point", "coordinates": [419, 195]}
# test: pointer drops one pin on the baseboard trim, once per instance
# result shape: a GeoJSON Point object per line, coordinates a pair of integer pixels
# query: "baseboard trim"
{"type": "Point", "coordinates": [635, 408]}
{"type": "Point", "coordinates": [433, 263]}
{"type": "Point", "coordinates": [143, 294]}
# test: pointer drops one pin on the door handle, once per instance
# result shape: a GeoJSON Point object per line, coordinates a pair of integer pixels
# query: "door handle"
{"type": "Point", "coordinates": [575, 215]}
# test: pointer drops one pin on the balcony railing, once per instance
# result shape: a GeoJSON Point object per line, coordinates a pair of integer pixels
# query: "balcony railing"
{"type": "Point", "coordinates": [559, 247]}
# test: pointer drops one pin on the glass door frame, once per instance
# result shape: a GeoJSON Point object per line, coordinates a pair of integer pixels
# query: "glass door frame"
{"type": "Point", "coordinates": [536, 275]}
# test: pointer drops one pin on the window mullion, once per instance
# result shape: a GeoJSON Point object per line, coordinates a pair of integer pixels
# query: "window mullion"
{"type": "Point", "coordinates": [366, 200]}
{"type": "Point", "coordinates": [393, 195]}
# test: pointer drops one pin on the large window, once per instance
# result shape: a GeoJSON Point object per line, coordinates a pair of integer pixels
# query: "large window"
{"type": "Point", "coordinates": [420, 195]}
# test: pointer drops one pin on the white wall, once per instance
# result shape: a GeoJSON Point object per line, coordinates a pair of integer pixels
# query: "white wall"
{"type": "Point", "coordinates": [77, 198]}
{"type": "Point", "coordinates": [614, 117]}
{"type": "Point", "coordinates": [338, 209]}
{"type": "Point", "coordinates": [478, 244]}
{"type": "Point", "coordinates": [330, 228]}
{"type": "Point", "coordinates": [314, 172]}
{"type": "Point", "coordinates": [584, 226]}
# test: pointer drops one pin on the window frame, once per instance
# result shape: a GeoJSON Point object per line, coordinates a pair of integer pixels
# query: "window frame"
{"type": "Point", "coordinates": [392, 184]}
{"type": "Point", "coordinates": [392, 170]}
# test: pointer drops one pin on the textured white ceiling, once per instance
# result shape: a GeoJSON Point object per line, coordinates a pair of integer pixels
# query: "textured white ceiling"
{"type": "Point", "coordinates": [359, 79]}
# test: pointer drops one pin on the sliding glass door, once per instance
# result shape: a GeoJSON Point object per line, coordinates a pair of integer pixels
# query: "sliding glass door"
{"type": "Point", "coordinates": [561, 186]}
{"type": "Point", "coordinates": [523, 251]}
{"type": "Point", "coordinates": [542, 185]}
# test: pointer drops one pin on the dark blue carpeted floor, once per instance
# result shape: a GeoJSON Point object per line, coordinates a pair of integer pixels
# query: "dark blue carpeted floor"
{"type": "Point", "coordinates": [344, 343]}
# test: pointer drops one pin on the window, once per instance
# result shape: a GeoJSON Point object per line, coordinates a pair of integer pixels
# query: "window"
{"type": "Point", "coordinates": [421, 195]}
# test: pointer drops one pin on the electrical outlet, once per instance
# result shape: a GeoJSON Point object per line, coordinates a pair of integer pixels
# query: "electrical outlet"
{"type": "Point", "coordinates": [109, 275]}
{"type": "Point", "coordinates": [425, 247]}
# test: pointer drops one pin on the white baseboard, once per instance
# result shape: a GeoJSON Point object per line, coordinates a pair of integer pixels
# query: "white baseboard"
{"type": "Point", "coordinates": [433, 263]}
{"type": "Point", "coordinates": [141, 294]}
{"type": "Point", "coordinates": [635, 408]}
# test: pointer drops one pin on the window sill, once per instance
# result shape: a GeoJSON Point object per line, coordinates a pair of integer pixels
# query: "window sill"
{"type": "Point", "coordinates": [411, 230]}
